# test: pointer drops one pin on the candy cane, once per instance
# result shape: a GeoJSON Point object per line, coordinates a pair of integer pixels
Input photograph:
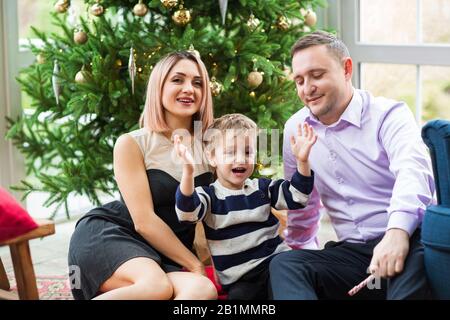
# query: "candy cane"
{"type": "Point", "coordinates": [364, 283]}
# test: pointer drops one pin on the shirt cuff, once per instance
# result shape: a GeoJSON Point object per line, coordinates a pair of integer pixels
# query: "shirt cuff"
{"type": "Point", "coordinates": [296, 244]}
{"type": "Point", "coordinates": [186, 203]}
{"type": "Point", "coordinates": [404, 221]}
{"type": "Point", "coordinates": [303, 183]}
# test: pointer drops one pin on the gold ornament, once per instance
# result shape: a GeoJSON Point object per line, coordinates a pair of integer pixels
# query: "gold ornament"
{"type": "Point", "coordinates": [82, 76]}
{"type": "Point", "coordinates": [252, 23]}
{"type": "Point", "coordinates": [40, 59]}
{"type": "Point", "coordinates": [118, 63]}
{"type": "Point", "coordinates": [252, 94]}
{"type": "Point", "coordinates": [181, 17]}
{"type": "Point", "coordinates": [310, 18]}
{"type": "Point", "coordinates": [254, 79]}
{"type": "Point", "coordinates": [267, 171]}
{"type": "Point", "coordinates": [193, 51]}
{"type": "Point", "coordinates": [303, 12]}
{"type": "Point", "coordinates": [61, 6]}
{"type": "Point", "coordinates": [80, 37]}
{"type": "Point", "coordinates": [283, 23]}
{"type": "Point", "coordinates": [216, 87]}
{"type": "Point", "coordinates": [259, 166]}
{"type": "Point", "coordinates": [169, 4]}
{"type": "Point", "coordinates": [97, 9]}
{"type": "Point", "coordinates": [140, 9]}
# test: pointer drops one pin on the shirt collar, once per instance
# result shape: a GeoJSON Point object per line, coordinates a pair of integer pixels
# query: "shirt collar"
{"type": "Point", "coordinates": [352, 113]}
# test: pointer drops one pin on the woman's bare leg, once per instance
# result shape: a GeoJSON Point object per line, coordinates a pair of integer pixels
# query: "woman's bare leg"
{"type": "Point", "coordinates": [137, 279]}
{"type": "Point", "coordinates": [192, 286]}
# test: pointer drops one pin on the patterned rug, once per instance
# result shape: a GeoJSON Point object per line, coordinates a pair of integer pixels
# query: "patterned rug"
{"type": "Point", "coordinates": [49, 287]}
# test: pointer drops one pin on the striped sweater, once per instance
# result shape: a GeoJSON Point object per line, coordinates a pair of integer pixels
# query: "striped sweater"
{"type": "Point", "coordinates": [239, 227]}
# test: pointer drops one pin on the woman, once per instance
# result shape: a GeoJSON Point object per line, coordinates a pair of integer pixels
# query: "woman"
{"type": "Point", "coordinates": [136, 248]}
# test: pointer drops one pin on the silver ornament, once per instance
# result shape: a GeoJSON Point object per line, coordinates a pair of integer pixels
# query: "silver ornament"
{"type": "Point", "coordinates": [132, 69]}
{"type": "Point", "coordinates": [56, 82]}
{"type": "Point", "coordinates": [72, 17]}
{"type": "Point", "coordinates": [223, 9]}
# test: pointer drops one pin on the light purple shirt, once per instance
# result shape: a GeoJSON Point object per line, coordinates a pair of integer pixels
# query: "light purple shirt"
{"type": "Point", "coordinates": [372, 171]}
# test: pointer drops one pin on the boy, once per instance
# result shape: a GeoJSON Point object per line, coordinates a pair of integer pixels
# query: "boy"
{"type": "Point", "coordinates": [241, 232]}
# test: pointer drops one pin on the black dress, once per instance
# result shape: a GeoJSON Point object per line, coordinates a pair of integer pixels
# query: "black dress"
{"type": "Point", "coordinates": [105, 237]}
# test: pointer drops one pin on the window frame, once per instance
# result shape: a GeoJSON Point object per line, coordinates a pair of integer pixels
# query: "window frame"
{"type": "Point", "coordinates": [344, 16]}
{"type": "Point", "coordinates": [12, 168]}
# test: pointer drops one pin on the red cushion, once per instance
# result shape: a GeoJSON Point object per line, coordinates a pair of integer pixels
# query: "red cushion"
{"type": "Point", "coordinates": [14, 220]}
{"type": "Point", "coordinates": [210, 273]}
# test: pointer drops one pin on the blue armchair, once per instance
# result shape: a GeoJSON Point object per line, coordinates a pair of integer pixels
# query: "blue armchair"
{"type": "Point", "coordinates": [436, 223]}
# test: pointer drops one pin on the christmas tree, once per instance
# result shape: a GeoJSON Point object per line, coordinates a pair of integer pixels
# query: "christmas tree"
{"type": "Point", "coordinates": [88, 83]}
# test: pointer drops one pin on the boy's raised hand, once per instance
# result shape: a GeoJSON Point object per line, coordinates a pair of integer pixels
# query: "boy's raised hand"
{"type": "Point", "coordinates": [183, 152]}
{"type": "Point", "coordinates": [301, 146]}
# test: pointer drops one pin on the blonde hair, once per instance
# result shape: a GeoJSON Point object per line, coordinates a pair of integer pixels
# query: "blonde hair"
{"type": "Point", "coordinates": [153, 115]}
{"type": "Point", "coordinates": [237, 122]}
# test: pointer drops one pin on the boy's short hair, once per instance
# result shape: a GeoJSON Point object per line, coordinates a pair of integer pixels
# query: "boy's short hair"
{"type": "Point", "coordinates": [334, 45]}
{"type": "Point", "coordinates": [236, 123]}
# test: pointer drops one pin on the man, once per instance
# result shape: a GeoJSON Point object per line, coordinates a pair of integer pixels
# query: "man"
{"type": "Point", "coordinates": [373, 175]}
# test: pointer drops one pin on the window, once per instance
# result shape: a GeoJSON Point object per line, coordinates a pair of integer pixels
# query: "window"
{"type": "Point", "coordinates": [396, 81]}
{"type": "Point", "coordinates": [401, 50]}
{"type": "Point", "coordinates": [19, 16]}
{"type": "Point", "coordinates": [10, 168]}
{"type": "Point", "coordinates": [37, 14]}
{"type": "Point", "coordinates": [31, 13]}
{"type": "Point", "coordinates": [388, 22]}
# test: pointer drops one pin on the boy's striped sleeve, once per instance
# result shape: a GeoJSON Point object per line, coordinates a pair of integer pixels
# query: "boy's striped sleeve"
{"type": "Point", "coordinates": [291, 195]}
{"type": "Point", "coordinates": [194, 207]}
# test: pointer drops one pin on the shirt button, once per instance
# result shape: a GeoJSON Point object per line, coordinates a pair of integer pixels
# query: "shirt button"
{"type": "Point", "coordinates": [350, 202]}
{"type": "Point", "coordinates": [332, 155]}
